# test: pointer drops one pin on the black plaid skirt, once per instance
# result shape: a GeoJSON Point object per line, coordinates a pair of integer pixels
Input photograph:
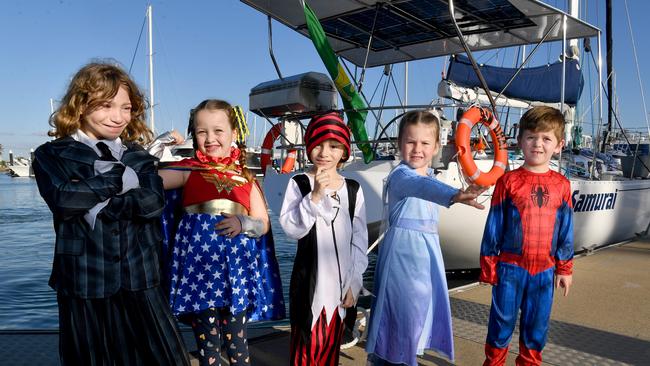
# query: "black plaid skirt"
{"type": "Point", "coordinates": [128, 328]}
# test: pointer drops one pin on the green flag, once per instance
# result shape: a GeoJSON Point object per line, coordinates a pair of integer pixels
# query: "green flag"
{"type": "Point", "coordinates": [350, 96]}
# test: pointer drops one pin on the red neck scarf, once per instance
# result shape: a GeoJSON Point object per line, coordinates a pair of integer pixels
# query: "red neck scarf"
{"type": "Point", "coordinates": [230, 162]}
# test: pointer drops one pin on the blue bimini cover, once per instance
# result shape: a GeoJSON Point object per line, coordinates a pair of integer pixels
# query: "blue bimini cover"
{"type": "Point", "coordinates": [542, 83]}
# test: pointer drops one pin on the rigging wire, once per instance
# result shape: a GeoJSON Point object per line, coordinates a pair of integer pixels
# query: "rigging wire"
{"type": "Point", "coordinates": [595, 96]}
{"type": "Point", "coordinates": [638, 72]}
{"type": "Point", "coordinates": [506, 120]}
{"type": "Point", "coordinates": [363, 95]}
{"type": "Point", "coordinates": [383, 99]}
{"type": "Point", "coordinates": [172, 80]}
{"type": "Point", "coordinates": [618, 122]}
{"type": "Point", "coordinates": [590, 109]}
{"type": "Point", "coordinates": [399, 99]}
{"type": "Point", "coordinates": [135, 52]}
{"type": "Point", "coordinates": [372, 97]}
{"type": "Point", "coordinates": [482, 55]}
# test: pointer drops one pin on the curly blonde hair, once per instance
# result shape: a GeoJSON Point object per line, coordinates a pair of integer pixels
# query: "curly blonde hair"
{"type": "Point", "coordinates": [93, 85]}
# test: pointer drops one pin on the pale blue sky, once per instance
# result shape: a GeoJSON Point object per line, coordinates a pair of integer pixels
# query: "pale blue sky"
{"type": "Point", "coordinates": [216, 48]}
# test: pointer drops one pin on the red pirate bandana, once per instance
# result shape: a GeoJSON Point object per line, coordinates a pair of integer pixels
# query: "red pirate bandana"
{"type": "Point", "coordinates": [326, 127]}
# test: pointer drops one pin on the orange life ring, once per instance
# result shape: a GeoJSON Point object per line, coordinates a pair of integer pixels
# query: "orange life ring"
{"type": "Point", "coordinates": [289, 161]}
{"type": "Point", "coordinates": [470, 118]}
{"type": "Point", "coordinates": [267, 151]}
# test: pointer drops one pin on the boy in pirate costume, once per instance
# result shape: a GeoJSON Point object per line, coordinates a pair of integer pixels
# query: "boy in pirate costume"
{"type": "Point", "coordinates": [326, 214]}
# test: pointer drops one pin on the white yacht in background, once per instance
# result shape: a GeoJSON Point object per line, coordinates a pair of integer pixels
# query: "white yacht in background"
{"type": "Point", "coordinates": [608, 208]}
{"type": "Point", "coordinates": [177, 152]}
{"type": "Point", "coordinates": [170, 153]}
{"type": "Point", "coordinates": [19, 166]}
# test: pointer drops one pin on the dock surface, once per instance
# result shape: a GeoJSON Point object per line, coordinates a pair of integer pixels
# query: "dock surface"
{"type": "Point", "coordinates": [605, 320]}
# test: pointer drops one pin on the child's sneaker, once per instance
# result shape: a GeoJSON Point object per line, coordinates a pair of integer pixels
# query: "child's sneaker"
{"type": "Point", "coordinates": [349, 339]}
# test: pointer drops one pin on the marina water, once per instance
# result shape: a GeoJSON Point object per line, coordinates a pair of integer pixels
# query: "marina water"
{"type": "Point", "coordinates": [27, 248]}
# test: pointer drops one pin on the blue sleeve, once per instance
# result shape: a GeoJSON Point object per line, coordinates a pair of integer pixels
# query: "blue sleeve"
{"type": "Point", "coordinates": [493, 234]}
{"type": "Point", "coordinates": [495, 223]}
{"type": "Point", "coordinates": [406, 182]}
{"type": "Point", "coordinates": [564, 251]}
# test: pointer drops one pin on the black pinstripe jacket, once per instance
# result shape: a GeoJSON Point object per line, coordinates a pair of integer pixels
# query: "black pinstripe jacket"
{"type": "Point", "coordinates": [123, 249]}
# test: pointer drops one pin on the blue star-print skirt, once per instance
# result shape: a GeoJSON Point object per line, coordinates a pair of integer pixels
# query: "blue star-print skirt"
{"type": "Point", "coordinates": [209, 270]}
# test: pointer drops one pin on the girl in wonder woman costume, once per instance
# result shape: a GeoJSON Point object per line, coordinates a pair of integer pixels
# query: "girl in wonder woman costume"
{"type": "Point", "coordinates": [217, 266]}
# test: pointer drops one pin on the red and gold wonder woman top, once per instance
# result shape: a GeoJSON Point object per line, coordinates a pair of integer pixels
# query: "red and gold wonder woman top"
{"type": "Point", "coordinates": [214, 179]}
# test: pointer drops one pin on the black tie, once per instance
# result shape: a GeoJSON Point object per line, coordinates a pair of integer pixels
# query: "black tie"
{"type": "Point", "coordinates": [106, 152]}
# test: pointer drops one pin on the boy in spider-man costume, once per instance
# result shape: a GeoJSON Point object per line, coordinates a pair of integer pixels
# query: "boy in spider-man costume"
{"type": "Point", "coordinates": [527, 247]}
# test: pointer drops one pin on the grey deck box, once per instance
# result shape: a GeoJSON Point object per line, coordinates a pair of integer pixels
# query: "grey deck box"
{"type": "Point", "coordinates": [304, 94]}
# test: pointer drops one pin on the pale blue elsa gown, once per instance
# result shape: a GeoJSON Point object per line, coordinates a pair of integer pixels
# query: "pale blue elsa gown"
{"type": "Point", "coordinates": [411, 310]}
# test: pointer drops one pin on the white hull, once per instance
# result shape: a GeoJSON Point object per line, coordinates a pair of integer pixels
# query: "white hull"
{"type": "Point", "coordinates": [461, 227]}
{"type": "Point", "coordinates": [19, 170]}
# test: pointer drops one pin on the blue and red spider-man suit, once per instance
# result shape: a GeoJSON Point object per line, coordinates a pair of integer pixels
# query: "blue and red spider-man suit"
{"type": "Point", "coordinates": [528, 238]}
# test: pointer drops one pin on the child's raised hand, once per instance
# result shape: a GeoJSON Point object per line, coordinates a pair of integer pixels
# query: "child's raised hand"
{"type": "Point", "coordinates": [230, 226]}
{"type": "Point", "coordinates": [468, 197]}
{"type": "Point", "coordinates": [348, 301]}
{"type": "Point", "coordinates": [178, 138]}
{"type": "Point", "coordinates": [564, 281]}
{"type": "Point", "coordinates": [321, 182]}
{"type": "Point", "coordinates": [474, 188]}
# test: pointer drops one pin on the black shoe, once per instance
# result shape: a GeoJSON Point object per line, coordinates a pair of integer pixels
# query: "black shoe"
{"type": "Point", "coordinates": [349, 339]}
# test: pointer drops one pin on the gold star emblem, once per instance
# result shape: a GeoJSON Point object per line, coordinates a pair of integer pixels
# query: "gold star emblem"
{"type": "Point", "coordinates": [222, 183]}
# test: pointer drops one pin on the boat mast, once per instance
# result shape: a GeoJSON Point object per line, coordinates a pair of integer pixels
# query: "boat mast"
{"type": "Point", "coordinates": [152, 125]}
{"type": "Point", "coordinates": [610, 67]}
{"type": "Point", "coordinates": [638, 72]}
{"type": "Point", "coordinates": [406, 83]}
{"type": "Point", "coordinates": [570, 113]}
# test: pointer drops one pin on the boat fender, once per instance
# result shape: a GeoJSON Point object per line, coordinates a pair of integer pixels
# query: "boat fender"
{"type": "Point", "coordinates": [470, 118]}
{"type": "Point", "coordinates": [267, 151]}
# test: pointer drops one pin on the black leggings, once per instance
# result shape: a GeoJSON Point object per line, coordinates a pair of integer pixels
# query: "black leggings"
{"type": "Point", "coordinates": [350, 317]}
{"type": "Point", "coordinates": [209, 326]}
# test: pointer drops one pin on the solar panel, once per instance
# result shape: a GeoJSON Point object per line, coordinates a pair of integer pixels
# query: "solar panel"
{"type": "Point", "coordinates": [406, 30]}
{"type": "Point", "coordinates": [398, 24]}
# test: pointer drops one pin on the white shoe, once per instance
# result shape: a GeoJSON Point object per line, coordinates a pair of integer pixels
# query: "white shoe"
{"type": "Point", "coordinates": [349, 339]}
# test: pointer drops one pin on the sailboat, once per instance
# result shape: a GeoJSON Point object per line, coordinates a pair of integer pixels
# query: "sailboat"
{"type": "Point", "coordinates": [377, 33]}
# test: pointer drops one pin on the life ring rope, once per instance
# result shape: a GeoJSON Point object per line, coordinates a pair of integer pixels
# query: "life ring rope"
{"type": "Point", "coordinates": [267, 151]}
{"type": "Point", "coordinates": [481, 116]}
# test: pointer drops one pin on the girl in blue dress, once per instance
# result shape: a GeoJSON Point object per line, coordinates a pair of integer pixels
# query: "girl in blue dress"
{"type": "Point", "coordinates": [411, 310]}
